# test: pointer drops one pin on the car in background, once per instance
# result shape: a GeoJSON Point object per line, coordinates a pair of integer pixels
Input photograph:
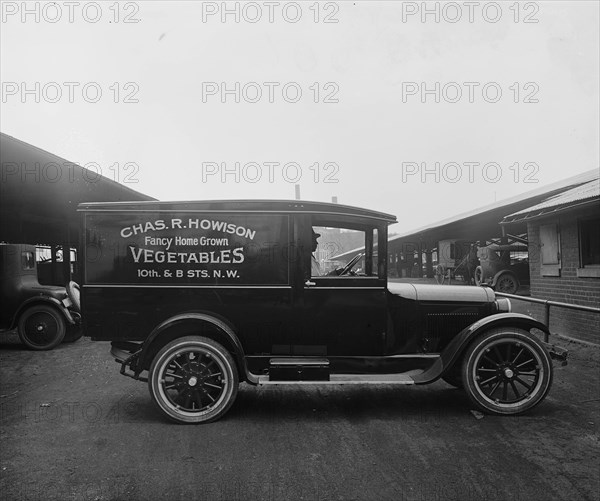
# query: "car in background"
{"type": "Point", "coordinates": [504, 268]}
{"type": "Point", "coordinates": [44, 315]}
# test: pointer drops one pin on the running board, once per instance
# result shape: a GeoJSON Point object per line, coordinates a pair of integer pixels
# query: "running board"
{"type": "Point", "coordinates": [405, 378]}
{"type": "Point", "coordinates": [298, 369]}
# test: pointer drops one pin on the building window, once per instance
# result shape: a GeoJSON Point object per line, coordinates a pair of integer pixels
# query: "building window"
{"type": "Point", "coordinates": [589, 248]}
{"type": "Point", "coordinates": [550, 250]}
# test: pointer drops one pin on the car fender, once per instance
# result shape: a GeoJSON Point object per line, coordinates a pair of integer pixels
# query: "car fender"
{"type": "Point", "coordinates": [198, 317]}
{"type": "Point", "coordinates": [497, 275]}
{"type": "Point", "coordinates": [454, 350]}
{"type": "Point", "coordinates": [41, 300]}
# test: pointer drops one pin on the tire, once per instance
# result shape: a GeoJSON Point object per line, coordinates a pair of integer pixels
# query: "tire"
{"type": "Point", "coordinates": [506, 371]}
{"type": "Point", "coordinates": [74, 332]}
{"type": "Point", "coordinates": [193, 379]}
{"type": "Point", "coordinates": [440, 274]}
{"type": "Point", "coordinates": [507, 283]}
{"type": "Point", "coordinates": [41, 327]}
{"type": "Point", "coordinates": [478, 275]}
{"type": "Point", "coordinates": [74, 293]}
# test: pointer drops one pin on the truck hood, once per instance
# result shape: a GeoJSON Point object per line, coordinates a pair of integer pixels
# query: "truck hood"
{"type": "Point", "coordinates": [446, 293]}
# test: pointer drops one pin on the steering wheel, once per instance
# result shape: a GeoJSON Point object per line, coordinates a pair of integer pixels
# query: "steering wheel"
{"type": "Point", "coordinates": [351, 264]}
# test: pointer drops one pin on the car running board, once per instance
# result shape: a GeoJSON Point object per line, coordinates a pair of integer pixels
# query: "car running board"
{"type": "Point", "coordinates": [404, 378]}
{"type": "Point", "coordinates": [316, 371]}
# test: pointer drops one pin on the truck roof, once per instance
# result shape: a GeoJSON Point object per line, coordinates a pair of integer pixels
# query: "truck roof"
{"type": "Point", "coordinates": [278, 206]}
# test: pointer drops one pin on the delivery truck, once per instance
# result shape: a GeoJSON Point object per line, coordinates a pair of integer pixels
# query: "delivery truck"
{"type": "Point", "coordinates": [199, 297]}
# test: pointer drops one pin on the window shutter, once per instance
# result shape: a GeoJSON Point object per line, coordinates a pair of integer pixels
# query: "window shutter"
{"type": "Point", "coordinates": [550, 250]}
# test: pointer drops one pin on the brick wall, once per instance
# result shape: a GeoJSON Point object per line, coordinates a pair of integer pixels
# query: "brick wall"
{"type": "Point", "coordinates": [567, 288]}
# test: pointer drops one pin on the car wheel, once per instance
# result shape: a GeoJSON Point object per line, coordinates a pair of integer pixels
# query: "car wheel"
{"type": "Point", "coordinates": [440, 274]}
{"type": "Point", "coordinates": [507, 283]}
{"type": "Point", "coordinates": [74, 332]}
{"type": "Point", "coordinates": [478, 275]}
{"type": "Point", "coordinates": [41, 327]}
{"type": "Point", "coordinates": [193, 380]}
{"type": "Point", "coordinates": [506, 371]}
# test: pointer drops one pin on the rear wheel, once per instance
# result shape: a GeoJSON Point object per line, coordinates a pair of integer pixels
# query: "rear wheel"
{"type": "Point", "coordinates": [507, 283]}
{"type": "Point", "coordinates": [506, 371]}
{"type": "Point", "coordinates": [440, 274]}
{"type": "Point", "coordinates": [193, 379]}
{"type": "Point", "coordinates": [41, 327]}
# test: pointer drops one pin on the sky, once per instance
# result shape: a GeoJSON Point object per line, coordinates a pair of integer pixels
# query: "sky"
{"type": "Point", "coordinates": [422, 110]}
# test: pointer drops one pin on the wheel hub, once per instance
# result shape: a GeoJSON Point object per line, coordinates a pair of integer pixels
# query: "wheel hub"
{"type": "Point", "coordinates": [508, 373]}
{"type": "Point", "coordinates": [193, 381]}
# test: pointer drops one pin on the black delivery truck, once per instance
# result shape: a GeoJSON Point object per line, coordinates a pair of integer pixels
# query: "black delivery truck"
{"type": "Point", "coordinates": [198, 297]}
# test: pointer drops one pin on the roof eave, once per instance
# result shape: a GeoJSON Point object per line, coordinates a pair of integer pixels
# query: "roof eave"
{"type": "Point", "coordinates": [548, 211]}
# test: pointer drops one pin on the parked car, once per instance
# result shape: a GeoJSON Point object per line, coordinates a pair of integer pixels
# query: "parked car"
{"type": "Point", "coordinates": [504, 268]}
{"type": "Point", "coordinates": [198, 297]}
{"type": "Point", "coordinates": [44, 315]}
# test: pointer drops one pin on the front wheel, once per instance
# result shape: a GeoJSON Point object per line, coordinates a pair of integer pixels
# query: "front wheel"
{"type": "Point", "coordinates": [193, 379]}
{"type": "Point", "coordinates": [506, 371]}
{"type": "Point", "coordinates": [41, 327]}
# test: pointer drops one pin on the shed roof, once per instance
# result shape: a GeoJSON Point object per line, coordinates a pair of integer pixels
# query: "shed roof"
{"type": "Point", "coordinates": [483, 223]}
{"type": "Point", "coordinates": [583, 195]}
{"type": "Point", "coordinates": [40, 191]}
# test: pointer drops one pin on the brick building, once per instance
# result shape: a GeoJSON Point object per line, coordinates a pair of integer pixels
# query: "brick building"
{"type": "Point", "coordinates": [564, 257]}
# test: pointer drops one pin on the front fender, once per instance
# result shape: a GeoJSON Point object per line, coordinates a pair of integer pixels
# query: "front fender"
{"type": "Point", "coordinates": [453, 352]}
{"type": "Point", "coordinates": [198, 317]}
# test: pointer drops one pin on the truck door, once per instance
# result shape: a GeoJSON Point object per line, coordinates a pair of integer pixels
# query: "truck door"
{"type": "Point", "coordinates": [343, 291]}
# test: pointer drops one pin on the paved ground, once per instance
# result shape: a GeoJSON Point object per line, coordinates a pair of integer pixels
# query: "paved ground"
{"type": "Point", "coordinates": [72, 428]}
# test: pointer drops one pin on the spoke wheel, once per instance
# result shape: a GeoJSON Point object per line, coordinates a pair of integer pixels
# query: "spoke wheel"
{"type": "Point", "coordinates": [41, 327]}
{"type": "Point", "coordinates": [507, 283]}
{"type": "Point", "coordinates": [193, 380]}
{"type": "Point", "coordinates": [440, 274]}
{"type": "Point", "coordinates": [507, 371]}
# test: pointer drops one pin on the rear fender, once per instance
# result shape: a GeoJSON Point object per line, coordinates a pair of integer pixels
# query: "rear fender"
{"type": "Point", "coordinates": [453, 352]}
{"type": "Point", "coordinates": [181, 324]}
{"type": "Point", "coordinates": [46, 300]}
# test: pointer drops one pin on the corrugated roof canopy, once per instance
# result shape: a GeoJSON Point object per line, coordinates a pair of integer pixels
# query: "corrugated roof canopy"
{"type": "Point", "coordinates": [585, 194]}
{"type": "Point", "coordinates": [482, 223]}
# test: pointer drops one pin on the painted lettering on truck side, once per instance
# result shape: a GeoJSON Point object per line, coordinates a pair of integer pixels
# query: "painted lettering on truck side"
{"type": "Point", "coordinates": [147, 249]}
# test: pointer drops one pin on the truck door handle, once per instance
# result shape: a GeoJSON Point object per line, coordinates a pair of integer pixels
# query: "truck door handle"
{"type": "Point", "coordinates": [308, 283]}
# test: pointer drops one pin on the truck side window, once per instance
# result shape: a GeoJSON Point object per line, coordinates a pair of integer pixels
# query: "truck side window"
{"type": "Point", "coordinates": [331, 250]}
